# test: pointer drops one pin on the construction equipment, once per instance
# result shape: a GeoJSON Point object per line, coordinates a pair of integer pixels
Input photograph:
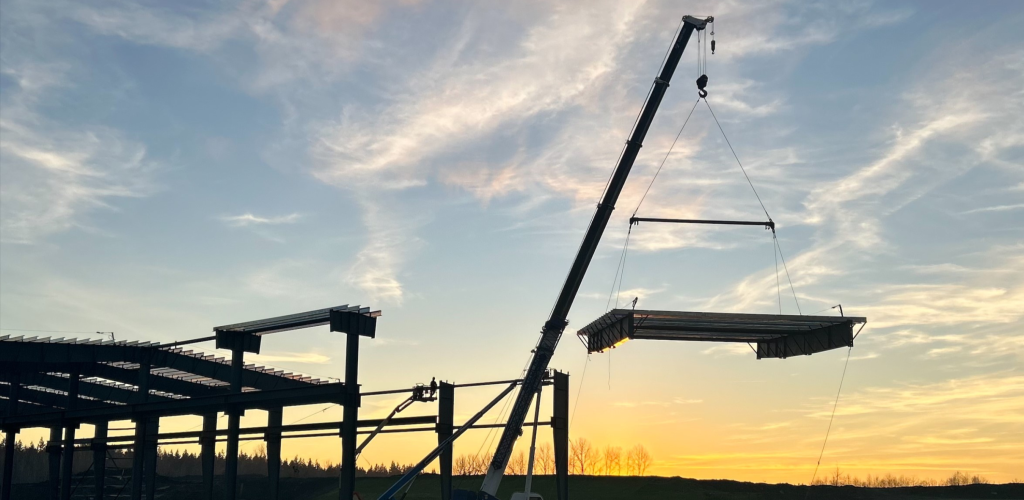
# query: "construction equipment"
{"type": "Point", "coordinates": [556, 323]}
{"type": "Point", "coordinates": [553, 328]}
{"type": "Point", "coordinates": [420, 393]}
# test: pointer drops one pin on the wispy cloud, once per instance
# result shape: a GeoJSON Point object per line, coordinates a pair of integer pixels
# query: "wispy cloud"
{"type": "Point", "coordinates": [996, 208]}
{"type": "Point", "coordinates": [729, 349]}
{"type": "Point", "coordinates": [248, 219]}
{"type": "Point", "coordinates": [312, 358]}
{"type": "Point", "coordinates": [54, 175]}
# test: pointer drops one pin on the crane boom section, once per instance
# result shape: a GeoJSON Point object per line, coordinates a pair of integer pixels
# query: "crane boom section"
{"type": "Point", "coordinates": [553, 328]}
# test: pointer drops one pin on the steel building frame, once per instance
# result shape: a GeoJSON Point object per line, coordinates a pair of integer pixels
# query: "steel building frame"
{"type": "Point", "coordinates": [60, 384]}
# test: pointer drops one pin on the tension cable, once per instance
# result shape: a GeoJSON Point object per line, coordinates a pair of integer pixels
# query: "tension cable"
{"type": "Point", "coordinates": [784, 266]}
{"type": "Point", "coordinates": [752, 188]}
{"type": "Point", "coordinates": [830, 419]}
{"type": "Point", "coordinates": [734, 155]}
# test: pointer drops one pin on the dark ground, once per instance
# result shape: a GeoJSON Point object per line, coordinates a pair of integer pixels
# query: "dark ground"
{"type": "Point", "coordinates": [427, 487]}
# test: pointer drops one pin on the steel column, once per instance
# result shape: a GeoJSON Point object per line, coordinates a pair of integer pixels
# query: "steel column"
{"type": "Point", "coordinates": [560, 429]}
{"type": "Point", "coordinates": [10, 437]}
{"type": "Point", "coordinates": [138, 454]}
{"type": "Point", "coordinates": [5, 492]}
{"type": "Point", "coordinates": [69, 438]}
{"type": "Point", "coordinates": [231, 455]}
{"type": "Point", "coordinates": [445, 425]}
{"type": "Point", "coordinates": [208, 443]}
{"type": "Point", "coordinates": [68, 459]}
{"type": "Point", "coordinates": [152, 429]}
{"type": "Point", "coordinates": [139, 447]}
{"type": "Point", "coordinates": [347, 480]}
{"type": "Point", "coordinates": [53, 449]}
{"type": "Point", "coordinates": [99, 458]}
{"type": "Point", "coordinates": [273, 438]}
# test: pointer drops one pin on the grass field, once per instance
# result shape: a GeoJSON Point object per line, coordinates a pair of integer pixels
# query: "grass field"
{"type": "Point", "coordinates": [427, 487]}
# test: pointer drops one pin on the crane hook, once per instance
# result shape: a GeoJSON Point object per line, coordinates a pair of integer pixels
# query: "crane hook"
{"type": "Point", "coordinates": [702, 82]}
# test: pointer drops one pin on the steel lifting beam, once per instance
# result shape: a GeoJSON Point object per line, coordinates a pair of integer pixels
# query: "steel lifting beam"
{"type": "Point", "coordinates": [769, 224]}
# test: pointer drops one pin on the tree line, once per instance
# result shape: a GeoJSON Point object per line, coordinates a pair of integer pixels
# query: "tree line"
{"type": "Point", "coordinates": [31, 463]}
{"type": "Point", "coordinates": [838, 478]}
{"type": "Point", "coordinates": [584, 459]}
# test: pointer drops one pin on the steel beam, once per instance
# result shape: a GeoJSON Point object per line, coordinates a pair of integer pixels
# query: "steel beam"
{"type": "Point", "coordinates": [138, 454]}
{"type": "Point", "coordinates": [139, 450]}
{"type": "Point", "coordinates": [9, 447]}
{"type": "Point", "coordinates": [445, 427]}
{"type": "Point", "coordinates": [43, 401]}
{"type": "Point", "coordinates": [234, 415]}
{"type": "Point", "coordinates": [315, 426]}
{"type": "Point", "coordinates": [560, 429]}
{"type": "Point", "coordinates": [273, 439]}
{"type": "Point", "coordinates": [99, 458]}
{"type": "Point", "coordinates": [208, 451]}
{"type": "Point", "coordinates": [152, 429]}
{"type": "Point", "coordinates": [769, 224]}
{"type": "Point", "coordinates": [102, 392]}
{"type": "Point", "coordinates": [10, 437]}
{"type": "Point", "coordinates": [43, 356]}
{"type": "Point", "coordinates": [156, 382]}
{"type": "Point", "coordinates": [53, 450]}
{"type": "Point", "coordinates": [306, 395]}
{"type": "Point", "coordinates": [347, 477]}
{"type": "Point", "coordinates": [67, 467]}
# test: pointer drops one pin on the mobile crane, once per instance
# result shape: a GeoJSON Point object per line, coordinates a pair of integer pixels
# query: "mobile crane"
{"type": "Point", "coordinates": [556, 323]}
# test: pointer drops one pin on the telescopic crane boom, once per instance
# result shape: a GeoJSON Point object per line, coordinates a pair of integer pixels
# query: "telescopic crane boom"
{"type": "Point", "coordinates": [554, 326]}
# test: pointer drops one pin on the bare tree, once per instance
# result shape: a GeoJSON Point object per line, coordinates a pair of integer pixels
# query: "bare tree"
{"type": "Point", "coordinates": [962, 478]}
{"type": "Point", "coordinates": [582, 456]}
{"type": "Point", "coordinates": [638, 460]}
{"type": "Point", "coordinates": [462, 466]}
{"type": "Point", "coordinates": [837, 478]}
{"type": "Point", "coordinates": [516, 465]}
{"type": "Point", "coordinates": [481, 462]}
{"type": "Point", "coordinates": [545, 459]}
{"type": "Point", "coordinates": [612, 458]}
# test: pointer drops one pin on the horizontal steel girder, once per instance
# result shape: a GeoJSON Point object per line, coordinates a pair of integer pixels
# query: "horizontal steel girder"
{"type": "Point", "coordinates": [54, 357]}
{"type": "Point", "coordinates": [312, 394]}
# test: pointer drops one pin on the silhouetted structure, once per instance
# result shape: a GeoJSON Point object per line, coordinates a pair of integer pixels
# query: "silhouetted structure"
{"type": "Point", "coordinates": [776, 336]}
{"type": "Point", "coordinates": [61, 384]}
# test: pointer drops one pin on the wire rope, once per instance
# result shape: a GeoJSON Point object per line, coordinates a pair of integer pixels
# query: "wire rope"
{"type": "Point", "coordinates": [784, 266]}
{"type": "Point", "coordinates": [663, 160]}
{"type": "Point", "coordinates": [622, 275]}
{"type": "Point", "coordinates": [758, 196]}
{"type": "Point", "coordinates": [734, 155]}
{"type": "Point", "coordinates": [834, 406]}
{"type": "Point", "coordinates": [778, 288]}
{"type": "Point", "coordinates": [618, 266]}
{"type": "Point", "coordinates": [579, 391]}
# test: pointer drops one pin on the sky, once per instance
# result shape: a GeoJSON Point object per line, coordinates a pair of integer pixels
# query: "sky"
{"type": "Point", "coordinates": [169, 167]}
